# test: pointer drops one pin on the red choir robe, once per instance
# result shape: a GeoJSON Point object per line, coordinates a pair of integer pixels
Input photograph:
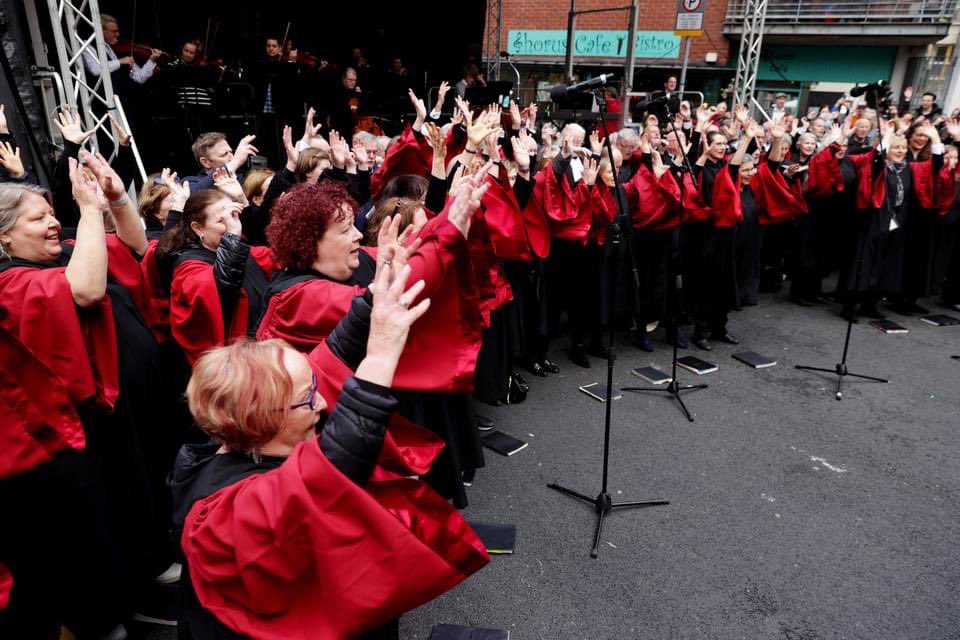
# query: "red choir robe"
{"type": "Point", "coordinates": [825, 178]}
{"type": "Point", "coordinates": [160, 320]}
{"type": "Point", "coordinates": [604, 211]}
{"type": "Point", "coordinates": [196, 319]}
{"type": "Point", "coordinates": [778, 200]}
{"type": "Point", "coordinates": [411, 154]}
{"type": "Point", "coordinates": [654, 201]}
{"type": "Point", "coordinates": [505, 222]}
{"type": "Point", "coordinates": [441, 352]}
{"type": "Point", "coordinates": [6, 586]}
{"type": "Point", "coordinates": [37, 417]}
{"type": "Point", "coordinates": [79, 347]}
{"type": "Point", "coordinates": [564, 207]}
{"type": "Point", "coordinates": [725, 210]}
{"type": "Point", "coordinates": [872, 190]}
{"type": "Point", "coordinates": [302, 551]}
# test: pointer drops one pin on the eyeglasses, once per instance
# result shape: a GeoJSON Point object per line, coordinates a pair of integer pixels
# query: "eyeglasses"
{"type": "Point", "coordinates": [311, 400]}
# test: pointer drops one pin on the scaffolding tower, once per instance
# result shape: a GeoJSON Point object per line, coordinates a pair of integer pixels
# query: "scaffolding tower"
{"type": "Point", "coordinates": [91, 98]}
{"type": "Point", "coordinates": [493, 43]}
{"type": "Point", "coordinates": [748, 59]}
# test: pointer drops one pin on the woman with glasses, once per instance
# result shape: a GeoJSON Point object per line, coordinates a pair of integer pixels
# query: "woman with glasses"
{"type": "Point", "coordinates": [291, 534]}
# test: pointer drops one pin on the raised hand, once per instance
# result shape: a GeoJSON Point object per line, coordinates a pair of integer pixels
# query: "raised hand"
{"type": "Point", "coordinates": [442, 95]}
{"type": "Point", "coordinates": [123, 137]}
{"type": "Point", "coordinates": [777, 131]}
{"type": "Point", "coordinates": [10, 160]}
{"type": "Point", "coordinates": [362, 156]}
{"type": "Point", "coordinates": [179, 191]}
{"type": "Point", "coordinates": [532, 115]}
{"type": "Point", "coordinates": [590, 172]}
{"type": "Point", "coordinates": [89, 199]}
{"type": "Point", "coordinates": [658, 167]}
{"type": "Point", "coordinates": [516, 121]}
{"type": "Point", "coordinates": [290, 148]}
{"type": "Point", "coordinates": [595, 145]}
{"type": "Point", "coordinates": [309, 130]}
{"type": "Point", "coordinates": [71, 128]}
{"type": "Point", "coordinates": [469, 194]}
{"type": "Point", "coordinates": [226, 182]}
{"type": "Point", "coordinates": [230, 217]}
{"type": "Point", "coordinates": [419, 107]}
{"type": "Point", "coordinates": [491, 146]}
{"type": "Point", "coordinates": [483, 126]}
{"type": "Point", "coordinates": [741, 113]}
{"type": "Point", "coordinates": [463, 107]}
{"type": "Point", "coordinates": [390, 320]}
{"type": "Point", "coordinates": [953, 129]}
{"type": "Point", "coordinates": [338, 150]}
{"type": "Point", "coordinates": [110, 183]}
{"type": "Point", "coordinates": [244, 150]}
{"type": "Point", "coordinates": [520, 154]}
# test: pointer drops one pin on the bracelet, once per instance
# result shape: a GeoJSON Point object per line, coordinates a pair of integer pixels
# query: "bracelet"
{"type": "Point", "coordinates": [119, 203]}
{"type": "Point", "coordinates": [469, 150]}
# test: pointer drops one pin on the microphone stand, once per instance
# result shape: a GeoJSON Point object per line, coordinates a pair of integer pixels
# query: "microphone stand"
{"type": "Point", "coordinates": [603, 503]}
{"type": "Point", "coordinates": [674, 388]}
{"type": "Point", "coordinates": [841, 368]}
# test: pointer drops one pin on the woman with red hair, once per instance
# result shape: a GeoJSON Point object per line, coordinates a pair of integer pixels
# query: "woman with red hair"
{"type": "Point", "coordinates": [289, 535]}
{"type": "Point", "coordinates": [324, 267]}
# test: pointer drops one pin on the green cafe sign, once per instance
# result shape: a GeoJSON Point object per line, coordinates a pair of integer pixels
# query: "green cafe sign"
{"type": "Point", "coordinates": [593, 44]}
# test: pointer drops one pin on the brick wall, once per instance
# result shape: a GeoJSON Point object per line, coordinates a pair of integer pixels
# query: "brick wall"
{"type": "Point", "coordinates": [653, 15]}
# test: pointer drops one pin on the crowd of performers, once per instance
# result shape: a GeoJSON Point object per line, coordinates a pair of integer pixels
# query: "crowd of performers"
{"type": "Point", "coordinates": [330, 324]}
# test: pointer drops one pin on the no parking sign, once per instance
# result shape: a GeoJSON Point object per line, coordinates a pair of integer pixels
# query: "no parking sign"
{"type": "Point", "coordinates": [690, 17]}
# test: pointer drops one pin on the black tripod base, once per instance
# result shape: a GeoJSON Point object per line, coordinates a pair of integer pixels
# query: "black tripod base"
{"type": "Point", "coordinates": [602, 505]}
{"type": "Point", "coordinates": [674, 390]}
{"type": "Point", "coordinates": [842, 372]}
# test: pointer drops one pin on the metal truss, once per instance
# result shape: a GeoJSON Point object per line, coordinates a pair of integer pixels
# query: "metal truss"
{"type": "Point", "coordinates": [92, 98]}
{"type": "Point", "coordinates": [493, 42]}
{"type": "Point", "coordinates": [748, 59]}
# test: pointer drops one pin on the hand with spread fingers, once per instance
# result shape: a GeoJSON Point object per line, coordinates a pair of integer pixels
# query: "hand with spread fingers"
{"type": "Point", "coordinates": [179, 191]}
{"type": "Point", "coordinates": [89, 198]}
{"type": "Point", "coordinates": [226, 182]}
{"type": "Point", "coordinates": [71, 128]}
{"type": "Point", "coordinates": [110, 183]}
{"type": "Point", "coordinates": [10, 160]}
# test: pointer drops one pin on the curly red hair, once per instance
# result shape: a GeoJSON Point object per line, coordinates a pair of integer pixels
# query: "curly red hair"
{"type": "Point", "coordinates": [301, 217]}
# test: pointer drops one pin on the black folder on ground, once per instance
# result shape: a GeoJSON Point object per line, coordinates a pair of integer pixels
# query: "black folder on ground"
{"type": "Point", "coordinates": [598, 391]}
{"type": "Point", "coordinates": [499, 539]}
{"type": "Point", "coordinates": [696, 365]}
{"type": "Point", "coordinates": [457, 632]}
{"type": "Point", "coordinates": [888, 326]}
{"type": "Point", "coordinates": [502, 443]}
{"type": "Point", "coordinates": [651, 375]}
{"type": "Point", "coordinates": [754, 359]}
{"type": "Point", "coordinates": [941, 320]}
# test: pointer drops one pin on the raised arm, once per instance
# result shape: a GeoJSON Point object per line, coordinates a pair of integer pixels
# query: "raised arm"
{"type": "Point", "coordinates": [87, 270]}
{"type": "Point", "coordinates": [129, 226]}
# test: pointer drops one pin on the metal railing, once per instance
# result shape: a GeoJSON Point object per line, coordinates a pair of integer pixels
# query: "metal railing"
{"type": "Point", "coordinates": [848, 11]}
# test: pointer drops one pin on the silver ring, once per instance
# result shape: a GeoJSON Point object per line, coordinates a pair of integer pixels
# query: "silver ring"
{"type": "Point", "coordinates": [388, 263]}
{"type": "Point", "coordinates": [403, 303]}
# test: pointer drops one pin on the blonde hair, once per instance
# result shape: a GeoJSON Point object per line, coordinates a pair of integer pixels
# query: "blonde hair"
{"type": "Point", "coordinates": [240, 394]}
{"type": "Point", "coordinates": [151, 197]}
{"type": "Point", "coordinates": [253, 183]}
{"type": "Point", "coordinates": [11, 206]}
{"type": "Point", "coordinates": [405, 207]}
{"type": "Point", "coordinates": [308, 160]}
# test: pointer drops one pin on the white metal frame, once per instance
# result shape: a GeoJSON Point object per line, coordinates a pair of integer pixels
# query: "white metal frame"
{"type": "Point", "coordinates": [748, 59]}
{"type": "Point", "coordinates": [494, 37]}
{"type": "Point", "coordinates": [66, 16]}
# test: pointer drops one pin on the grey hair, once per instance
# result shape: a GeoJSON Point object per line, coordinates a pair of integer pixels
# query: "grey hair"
{"type": "Point", "coordinates": [364, 137]}
{"type": "Point", "coordinates": [11, 206]}
{"type": "Point", "coordinates": [803, 137]}
{"type": "Point", "coordinates": [106, 18]}
{"type": "Point", "coordinates": [628, 135]}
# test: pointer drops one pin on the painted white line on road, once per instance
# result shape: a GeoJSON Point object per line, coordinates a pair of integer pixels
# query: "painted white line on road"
{"type": "Point", "coordinates": [833, 468]}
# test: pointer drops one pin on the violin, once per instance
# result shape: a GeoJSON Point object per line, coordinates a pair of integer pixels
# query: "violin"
{"type": "Point", "coordinates": [137, 50]}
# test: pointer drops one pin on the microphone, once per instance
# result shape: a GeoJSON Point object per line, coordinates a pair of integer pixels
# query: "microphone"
{"type": "Point", "coordinates": [562, 91]}
{"type": "Point", "coordinates": [504, 54]}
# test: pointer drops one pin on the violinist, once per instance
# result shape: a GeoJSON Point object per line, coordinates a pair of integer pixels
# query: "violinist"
{"type": "Point", "coordinates": [188, 54]}
{"type": "Point", "coordinates": [346, 104]}
{"type": "Point", "coordinates": [111, 36]}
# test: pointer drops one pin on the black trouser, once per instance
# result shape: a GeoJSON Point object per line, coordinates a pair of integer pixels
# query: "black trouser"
{"type": "Point", "coordinates": [651, 250]}
{"type": "Point", "coordinates": [572, 284]}
{"type": "Point", "coordinates": [714, 283]}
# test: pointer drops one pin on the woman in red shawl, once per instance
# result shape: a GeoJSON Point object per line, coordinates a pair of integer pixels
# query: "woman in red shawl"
{"type": "Point", "coordinates": [289, 534]}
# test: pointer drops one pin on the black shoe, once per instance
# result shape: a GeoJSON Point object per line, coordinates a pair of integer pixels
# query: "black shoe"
{"type": "Point", "coordinates": [679, 339]}
{"type": "Point", "coordinates": [599, 351]}
{"type": "Point", "coordinates": [800, 301]}
{"type": "Point", "coordinates": [549, 366]}
{"type": "Point", "coordinates": [484, 423]}
{"type": "Point", "coordinates": [848, 314]}
{"type": "Point", "coordinates": [524, 385]}
{"type": "Point", "coordinates": [643, 342]}
{"type": "Point", "coordinates": [578, 356]}
{"type": "Point", "coordinates": [871, 311]}
{"type": "Point", "coordinates": [729, 339]}
{"type": "Point", "coordinates": [702, 343]}
{"type": "Point", "coordinates": [537, 369]}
